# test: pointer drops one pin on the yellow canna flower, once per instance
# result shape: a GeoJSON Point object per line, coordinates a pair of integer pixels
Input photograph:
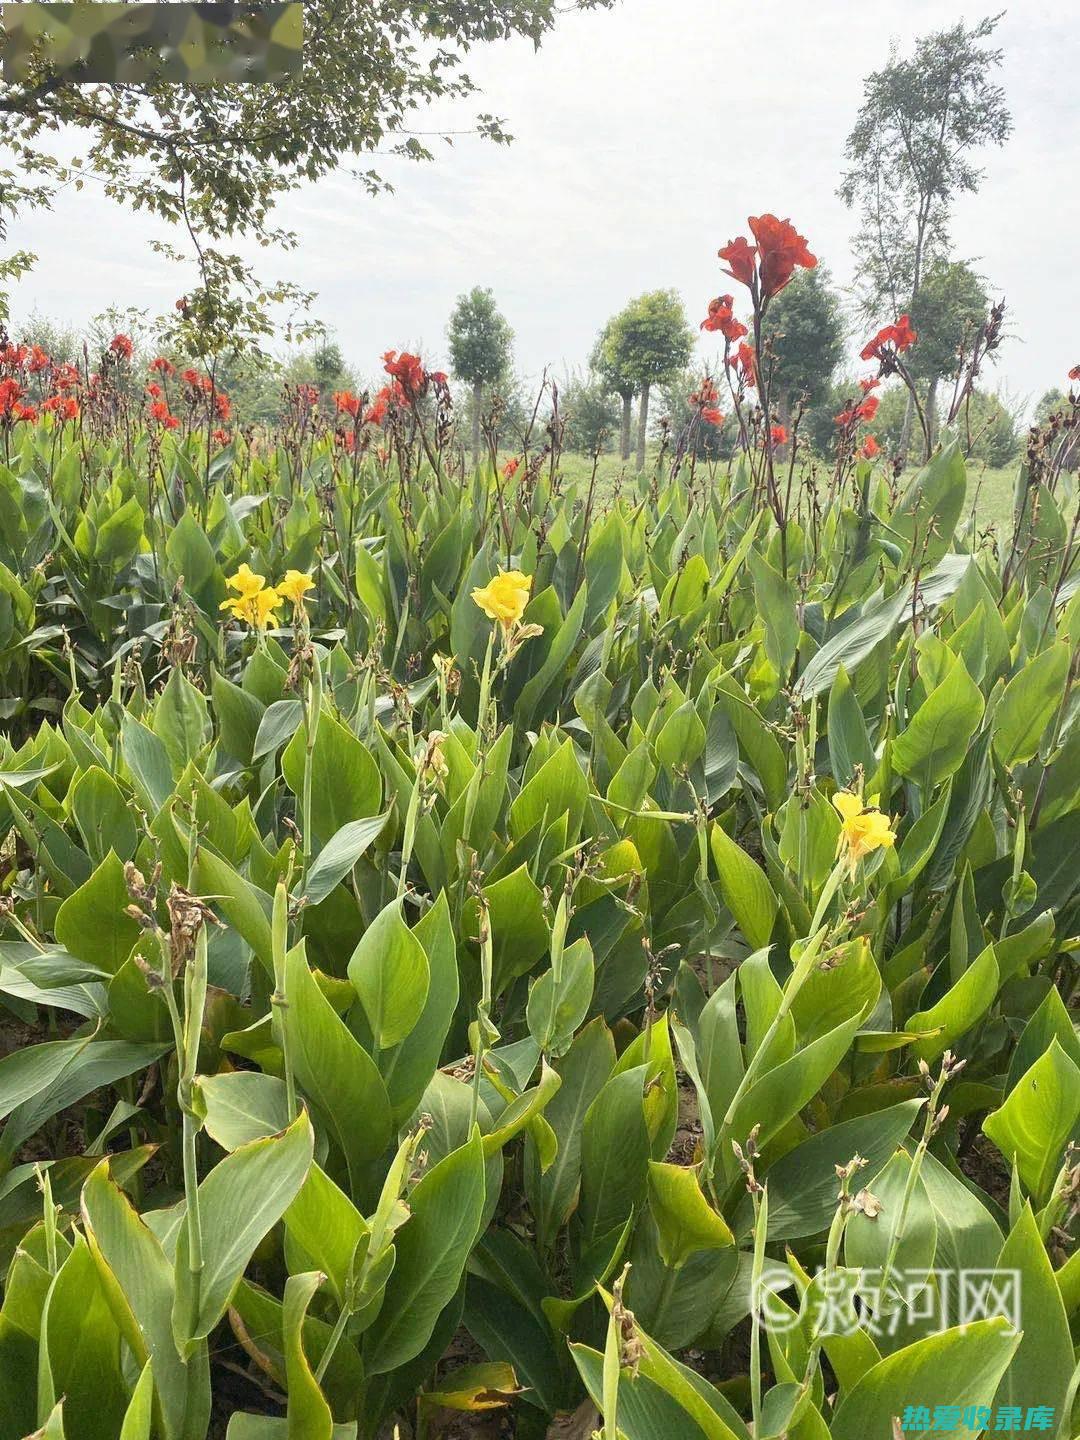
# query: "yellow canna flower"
{"type": "Point", "coordinates": [864, 828]}
{"type": "Point", "coordinates": [257, 610]}
{"type": "Point", "coordinates": [504, 598]}
{"type": "Point", "coordinates": [295, 586]}
{"type": "Point", "coordinates": [245, 582]}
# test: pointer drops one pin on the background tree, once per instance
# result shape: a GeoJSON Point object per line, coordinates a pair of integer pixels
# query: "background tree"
{"type": "Point", "coordinates": [608, 360]}
{"type": "Point", "coordinates": [910, 155]}
{"type": "Point", "coordinates": [589, 408]}
{"type": "Point", "coordinates": [480, 341]}
{"type": "Point", "coordinates": [949, 307]}
{"type": "Point", "coordinates": [806, 340]}
{"type": "Point", "coordinates": [653, 341]}
{"type": "Point", "coordinates": [216, 158]}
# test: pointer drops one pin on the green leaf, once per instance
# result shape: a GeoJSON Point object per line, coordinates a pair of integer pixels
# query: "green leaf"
{"type": "Point", "coordinates": [103, 816]}
{"type": "Point", "coordinates": [240, 1106]}
{"type": "Point", "coordinates": [685, 1221]}
{"type": "Point", "coordinates": [336, 1073]}
{"type": "Point", "coordinates": [181, 720]}
{"type": "Point", "coordinates": [745, 888]}
{"type": "Point", "coordinates": [340, 854]}
{"type": "Point", "coordinates": [930, 508]}
{"type": "Point", "coordinates": [958, 1009]}
{"type": "Point", "coordinates": [139, 1282]}
{"type": "Point", "coordinates": [954, 1367]}
{"type": "Point", "coordinates": [309, 1416]}
{"type": "Point", "coordinates": [345, 780]}
{"type": "Point", "coordinates": [93, 924]}
{"type": "Point", "coordinates": [327, 1227]}
{"type": "Point", "coordinates": [432, 1248]}
{"type": "Point", "coordinates": [1039, 1372]}
{"type": "Point", "coordinates": [240, 1201]}
{"type": "Point", "coordinates": [389, 972]}
{"type": "Point", "coordinates": [934, 743]}
{"type": "Point", "coordinates": [802, 1183]}
{"type": "Point", "coordinates": [1027, 707]}
{"type": "Point", "coordinates": [1037, 1119]}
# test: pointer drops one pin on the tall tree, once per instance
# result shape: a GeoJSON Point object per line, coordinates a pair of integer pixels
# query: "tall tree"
{"type": "Point", "coordinates": [480, 341]}
{"type": "Point", "coordinates": [805, 332]}
{"type": "Point", "coordinates": [949, 307]}
{"type": "Point", "coordinates": [216, 157]}
{"type": "Point", "coordinates": [609, 362]}
{"type": "Point", "coordinates": [653, 341]}
{"type": "Point", "coordinates": [910, 154]}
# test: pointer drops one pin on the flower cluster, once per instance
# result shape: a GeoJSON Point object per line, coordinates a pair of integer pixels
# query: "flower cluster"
{"type": "Point", "coordinates": [505, 597]}
{"type": "Point", "coordinates": [863, 830]}
{"type": "Point", "coordinates": [765, 268]}
{"type": "Point", "coordinates": [704, 401]}
{"type": "Point", "coordinates": [257, 603]}
{"type": "Point", "coordinates": [721, 317]}
{"type": "Point", "coordinates": [890, 341]}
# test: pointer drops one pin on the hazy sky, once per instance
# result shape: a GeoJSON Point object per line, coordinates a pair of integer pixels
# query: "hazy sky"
{"type": "Point", "coordinates": [644, 137]}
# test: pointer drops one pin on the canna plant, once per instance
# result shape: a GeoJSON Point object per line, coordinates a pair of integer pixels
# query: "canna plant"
{"type": "Point", "coordinates": [577, 932]}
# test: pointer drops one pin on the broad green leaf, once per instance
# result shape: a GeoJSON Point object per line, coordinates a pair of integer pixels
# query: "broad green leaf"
{"type": "Point", "coordinates": [432, 1249]}
{"type": "Point", "coordinates": [93, 924]}
{"type": "Point", "coordinates": [389, 971]}
{"type": "Point", "coordinates": [1039, 1372]}
{"type": "Point", "coordinates": [339, 855]}
{"type": "Point", "coordinates": [959, 1008]}
{"type": "Point", "coordinates": [745, 888]}
{"type": "Point", "coordinates": [685, 1221]}
{"type": "Point", "coordinates": [933, 744]}
{"type": "Point", "coordinates": [138, 1279]}
{"type": "Point", "coordinates": [345, 781]}
{"type": "Point", "coordinates": [1037, 1119]}
{"type": "Point", "coordinates": [959, 1367]}
{"type": "Point", "coordinates": [335, 1072]}
{"type": "Point", "coordinates": [1023, 715]}
{"type": "Point", "coordinates": [240, 1201]}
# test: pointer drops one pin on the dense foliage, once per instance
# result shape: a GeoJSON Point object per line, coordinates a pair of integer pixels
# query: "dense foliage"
{"type": "Point", "coordinates": [464, 911]}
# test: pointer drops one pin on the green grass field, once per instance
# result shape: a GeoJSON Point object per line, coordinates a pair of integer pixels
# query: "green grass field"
{"type": "Point", "coordinates": [990, 492]}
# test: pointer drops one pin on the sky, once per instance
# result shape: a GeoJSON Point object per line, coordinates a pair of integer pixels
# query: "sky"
{"type": "Point", "coordinates": [644, 136]}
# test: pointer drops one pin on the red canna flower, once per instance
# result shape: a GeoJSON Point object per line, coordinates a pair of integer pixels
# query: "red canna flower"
{"type": "Point", "coordinates": [780, 249]}
{"type": "Point", "coordinates": [871, 382]}
{"type": "Point", "coordinates": [170, 422]}
{"type": "Point", "coordinates": [222, 405]}
{"type": "Point", "coordinates": [870, 448]}
{"type": "Point", "coordinates": [721, 317]}
{"type": "Point", "coordinates": [346, 403]}
{"type": "Point", "coordinates": [712, 416]}
{"type": "Point", "coordinates": [510, 469]}
{"type": "Point", "coordinates": [25, 412]}
{"type": "Point", "coordinates": [408, 371]}
{"type": "Point", "coordinates": [121, 347]}
{"type": "Point", "coordinates": [376, 411]}
{"type": "Point", "coordinates": [743, 362]}
{"type": "Point", "coordinates": [778, 434]}
{"type": "Point", "coordinates": [159, 411]}
{"type": "Point", "coordinates": [868, 409]}
{"type": "Point", "coordinates": [163, 366]}
{"type": "Point", "coordinates": [38, 360]}
{"type": "Point", "coordinates": [740, 256]}
{"type": "Point", "coordinates": [900, 337]}
{"type": "Point", "coordinates": [705, 394]}
{"type": "Point", "coordinates": [220, 437]}
{"type": "Point", "coordinates": [154, 391]}
{"type": "Point", "coordinates": [1074, 373]}
{"type": "Point", "coordinates": [191, 377]}
{"type": "Point", "coordinates": [10, 392]}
